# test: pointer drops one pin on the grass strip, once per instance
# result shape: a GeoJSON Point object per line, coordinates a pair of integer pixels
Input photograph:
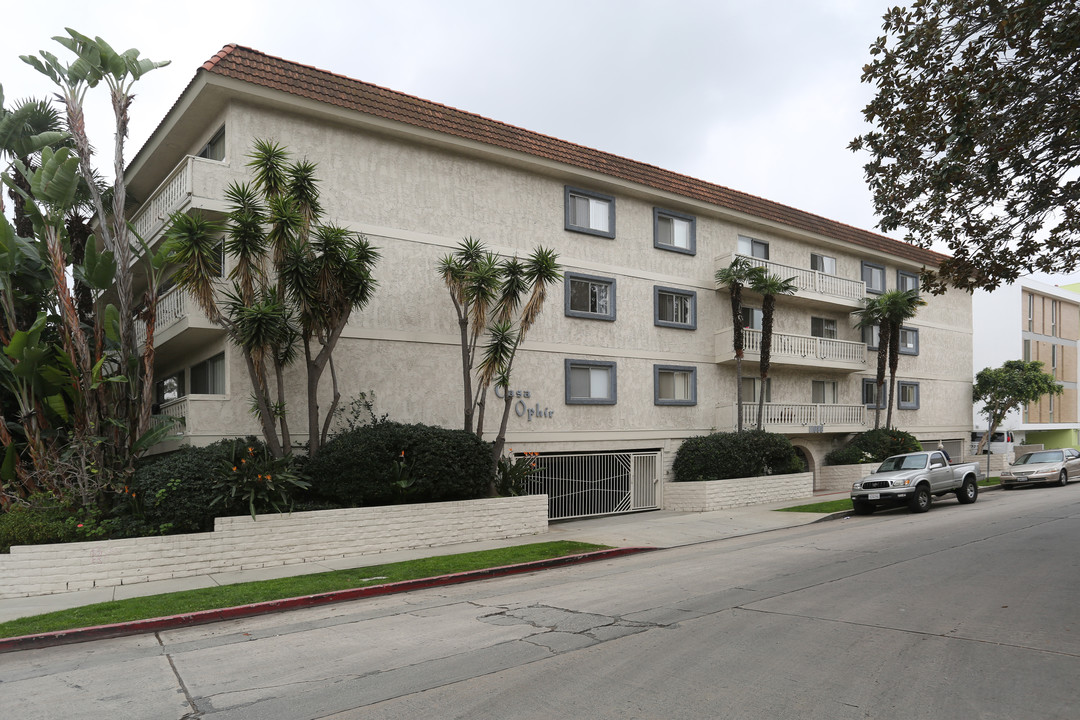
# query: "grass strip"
{"type": "Point", "coordinates": [213, 598]}
{"type": "Point", "coordinates": [829, 506]}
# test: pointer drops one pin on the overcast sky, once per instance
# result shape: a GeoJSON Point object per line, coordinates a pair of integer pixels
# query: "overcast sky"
{"type": "Point", "coordinates": [762, 97]}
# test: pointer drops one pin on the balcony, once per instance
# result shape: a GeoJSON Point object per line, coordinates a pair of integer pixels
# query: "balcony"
{"type": "Point", "coordinates": [796, 418]}
{"type": "Point", "coordinates": [795, 350]}
{"type": "Point", "coordinates": [201, 419]}
{"type": "Point", "coordinates": [195, 182]}
{"type": "Point", "coordinates": [178, 317]}
{"type": "Point", "coordinates": [815, 287]}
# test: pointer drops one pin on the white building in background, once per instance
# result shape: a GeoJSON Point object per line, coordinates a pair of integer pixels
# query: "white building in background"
{"type": "Point", "coordinates": [630, 357]}
{"type": "Point", "coordinates": [1030, 320]}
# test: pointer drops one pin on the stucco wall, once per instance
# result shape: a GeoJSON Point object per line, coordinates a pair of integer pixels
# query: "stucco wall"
{"type": "Point", "coordinates": [239, 543]}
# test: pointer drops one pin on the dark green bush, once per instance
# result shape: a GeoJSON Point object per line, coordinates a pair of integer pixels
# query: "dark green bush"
{"type": "Point", "coordinates": [874, 446]}
{"type": "Point", "coordinates": [751, 453]}
{"type": "Point", "coordinates": [175, 491]}
{"type": "Point", "coordinates": [37, 525]}
{"type": "Point", "coordinates": [365, 466]}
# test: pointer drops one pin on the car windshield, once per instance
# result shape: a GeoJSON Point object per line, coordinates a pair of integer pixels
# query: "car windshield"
{"type": "Point", "coordinates": [903, 462]}
{"type": "Point", "coordinates": [1044, 456]}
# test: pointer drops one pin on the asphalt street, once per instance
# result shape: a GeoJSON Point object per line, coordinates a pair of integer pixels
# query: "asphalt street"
{"type": "Point", "coordinates": [963, 612]}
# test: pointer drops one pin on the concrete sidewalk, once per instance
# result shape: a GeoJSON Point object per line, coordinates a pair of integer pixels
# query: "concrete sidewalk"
{"type": "Point", "coordinates": [658, 529]}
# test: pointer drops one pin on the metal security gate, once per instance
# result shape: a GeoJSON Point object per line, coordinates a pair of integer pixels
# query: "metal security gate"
{"type": "Point", "coordinates": [587, 484]}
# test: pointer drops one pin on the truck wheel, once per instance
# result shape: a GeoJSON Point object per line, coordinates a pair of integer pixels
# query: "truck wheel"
{"type": "Point", "coordinates": [862, 507]}
{"type": "Point", "coordinates": [968, 492]}
{"type": "Point", "coordinates": [920, 500]}
{"type": "Point", "coordinates": [1063, 479]}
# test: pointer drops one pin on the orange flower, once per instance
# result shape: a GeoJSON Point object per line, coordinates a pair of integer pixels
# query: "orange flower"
{"type": "Point", "coordinates": [243, 460]}
{"type": "Point", "coordinates": [234, 468]}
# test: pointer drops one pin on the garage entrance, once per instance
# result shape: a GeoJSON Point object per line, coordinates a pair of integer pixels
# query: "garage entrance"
{"type": "Point", "coordinates": [588, 484]}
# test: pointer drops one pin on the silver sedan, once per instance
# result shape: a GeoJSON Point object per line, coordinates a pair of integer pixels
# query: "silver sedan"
{"type": "Point", "coordinates": [1043, 466]}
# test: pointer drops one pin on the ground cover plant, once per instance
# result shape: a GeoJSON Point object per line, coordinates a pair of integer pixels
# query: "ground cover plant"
{"type": "Point", "coordinates": [245, 593]}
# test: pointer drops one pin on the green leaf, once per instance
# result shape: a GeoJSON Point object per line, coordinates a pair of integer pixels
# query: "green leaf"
{"type": "Point", "coordinates": [57, 405]}
{"type": "Point", "coordinates": [112, 323]}
{"type": "Point", "coordinates": [7, 469]}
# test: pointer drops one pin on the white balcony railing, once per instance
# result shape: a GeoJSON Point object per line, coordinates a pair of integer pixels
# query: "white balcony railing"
{"type": "Point", "coordinates": [177, 409]}
{"type": "Point", "coordinates": [171, 308]}
{"type": "Point", "coordinates": [165, 200]}
{"type": "Point", "coordinates": [812, 281]}
{"type": "Point", "coordinates": [806, 346]}
{"type": "Point", "coordinates": [814, 417]}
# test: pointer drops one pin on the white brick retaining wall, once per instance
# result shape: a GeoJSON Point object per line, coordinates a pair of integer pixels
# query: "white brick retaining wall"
{"type": "Point", "coordinates": [736, 492]}
{"type": "Point", "coordinates": [239, 543]}
{"type": "Point", "coordinates": [842, 477]}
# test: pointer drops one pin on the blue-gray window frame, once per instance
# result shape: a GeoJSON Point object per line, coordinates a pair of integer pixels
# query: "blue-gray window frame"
{"type": "Point", "coordinates": [900, 405]}
{"type": "Point", "coordinates": [884, 280]}
{"type": "Point", "coordinates": [884, 393]}
{"type": "Point", "coordinates": [907, 273]}
{"type": "Point", "coordinates": [657, 369]}
{"type": "Point", "coordinates": [657, 289]}
{"type": "Point", "coordinates": [570, 312]}
{"type": "Point", "coordinates": [868, 330]}
{"type": "Point", "coordinates": [613, 385]}
{"type": "Point", "coordinates": [658, 213]}
{"type": "Point", "coordinates": [569, 190]}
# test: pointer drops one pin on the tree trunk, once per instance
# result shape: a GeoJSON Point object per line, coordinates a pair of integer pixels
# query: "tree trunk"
{"type": "Point", "coordinates": [894, 357]}
{"type": "Point", "coordinates": [466, 372]}
{"type": "Point", "coordinates": [262, 400]}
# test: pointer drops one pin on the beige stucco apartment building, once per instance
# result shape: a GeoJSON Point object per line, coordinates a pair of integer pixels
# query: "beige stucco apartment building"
{"type": "Point", "coordinates": [631, 355]}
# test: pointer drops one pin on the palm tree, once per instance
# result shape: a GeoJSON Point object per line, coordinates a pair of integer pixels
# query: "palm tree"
{"type": "Point", "coordinates": [769, 285]}
{"type": "Point", "coordinates": [868, 318]}
{"type": "Point", "coordinates": [735, 276]}
{"type": "Point", "coordinates": [897, 307]}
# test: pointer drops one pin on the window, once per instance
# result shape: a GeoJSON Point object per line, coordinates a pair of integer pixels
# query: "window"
{"type": "Point", "coordinates": [1053, 360]}
{"type": "Point", "coordinates": [907, 281]}
{"type": "Point", "coordinates": [871, 336]}
{"type": "Point", "coordinates": [587, 296]}
{"type": "Point", "coordinates": [874, 277]}
{"type": "Point", "coordinates": [869, 394]}
{"type": "Point", "coordinates": [215, 149]}
{"type": "Point", "coordinates": [590, 382]}
{"type": "Point", "coordinates": [169, 388]}
{"type": "Point", "coordinates": [1050, 417]}
{"type": "Point", "coordinates": [907, 395]}
{"type": "Point", "coordinates": [753, 248]}
{"type": "Point", "coordinates": [674, 308]}
{"type": "Point", "coordinates": [674, 231]}
{"type": "Point", "coordinates": [1053, 318]}
{"type": "Point", "coordinates": [590, 212]}
{"type": "Point", "coordinates": [1031, 312]}
{"type": "Point", "coordinates": [674, 385]}
{"type": "Point", "coordinates": [823, 263]}
{"type": "Point", "coordinates": [208, 377]}
{"type": "Point", "coordinates": [909, 341]}
{"type": "Point", "coordinates": [752, 317]}
{"type": "Point", "coordinates": [823, 327]}
{"type": "Point", "coordinates": [751, 388]}
{"type": "Point", "coordinates": [1027, 351]}
{"type": "Point", "coordinates": [824, 392]}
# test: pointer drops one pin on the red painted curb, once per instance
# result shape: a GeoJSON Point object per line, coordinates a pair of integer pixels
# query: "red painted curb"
{"type": "Point", "coordinates": [136, 627]}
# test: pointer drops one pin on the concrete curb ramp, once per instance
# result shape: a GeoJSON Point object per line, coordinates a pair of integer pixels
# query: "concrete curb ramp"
{"type": "Point", "coordinates": [137, 627]}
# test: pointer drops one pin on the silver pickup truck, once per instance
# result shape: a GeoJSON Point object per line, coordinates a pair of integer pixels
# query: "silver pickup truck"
{"type": "Point", "coordinates": [912, 479]}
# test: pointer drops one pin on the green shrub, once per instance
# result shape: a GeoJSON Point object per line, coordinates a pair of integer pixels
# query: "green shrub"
{"type": "Point", "coordinates": [175, 491]}
{"type": "Point", "coordinates": [751, 453]}
{"type": "Point", "coordinates": [35, 525]}
{"type": "Point", "coordinates": [365, 466]}
{"type": "Point", "coordinates": [874, 446]}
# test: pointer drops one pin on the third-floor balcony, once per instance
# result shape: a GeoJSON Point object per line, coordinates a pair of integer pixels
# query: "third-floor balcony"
{"type": "Point", "coordinates": [194, 183]}
{"type": "Point", "coordinates": [795, 350]}
{"type": "Point", "coordinates": [813, 286]}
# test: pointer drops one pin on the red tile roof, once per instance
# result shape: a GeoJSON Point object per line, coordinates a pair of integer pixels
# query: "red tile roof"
{"type": "Point", "coordinates": [254, 67]}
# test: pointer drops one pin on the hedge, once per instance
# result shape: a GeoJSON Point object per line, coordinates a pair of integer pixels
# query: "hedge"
{"type": "Point", "coordinates": [874, 446]}
{"type": "Point", "coordinates": [751, 453]}
{"type": "Point", "coordinates": [389, 463]}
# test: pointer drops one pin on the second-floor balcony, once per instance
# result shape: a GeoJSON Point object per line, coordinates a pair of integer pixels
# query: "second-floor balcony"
{"type": "Point", "coordinates": [179, 320]}
{"type": "Point", "coordinates": [795, 418]}
{"type": "Point", "coordinates": [816, 287]}
{"type": "Point", "coordinates": [795, 350]}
